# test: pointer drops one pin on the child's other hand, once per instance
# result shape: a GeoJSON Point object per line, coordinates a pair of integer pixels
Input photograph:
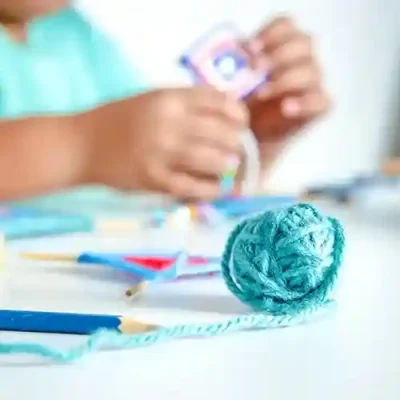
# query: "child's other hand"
{"type": "Point", "coordinates": [174, 141]}
{"type": "Point", "coordinates": [294, 94]}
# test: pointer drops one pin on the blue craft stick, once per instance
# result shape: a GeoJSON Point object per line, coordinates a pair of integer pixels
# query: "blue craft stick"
{"type": "Point", "coordinates": [158, 254]}
{"type": "Point", "coordinates": [201, 270]}
{"type": "Point", "coordinates": [68, 323]}
{"type": "Point", "coordinates": [345, 191]}
{"type": "Point", "coordinates": [241, 206]}
{"type": "Point", "coordinates": [338, 191]}
{"type": "Point", "coordinates": [117, 262]}
{"type": "Point", "coordinates": [19, 222]}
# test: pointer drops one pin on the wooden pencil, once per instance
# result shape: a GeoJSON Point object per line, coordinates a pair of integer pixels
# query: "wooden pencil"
{"type": "Point", "coordinates": [69, 323]}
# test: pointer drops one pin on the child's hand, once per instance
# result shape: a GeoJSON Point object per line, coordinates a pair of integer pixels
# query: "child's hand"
{"type": "Point", "coordinates": [294, 94]}
{"type": "Point", "coordinates": [175, 141]}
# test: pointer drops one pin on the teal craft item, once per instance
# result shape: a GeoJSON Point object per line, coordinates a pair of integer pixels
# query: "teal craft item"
{"type": "Point", "coordinates": [282, 263]}
{"type": "Point", "coordinates": [67, 65]}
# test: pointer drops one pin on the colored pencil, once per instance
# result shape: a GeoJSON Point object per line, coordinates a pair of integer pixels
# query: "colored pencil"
{"type": "Point", "coordinates": [68, 323]}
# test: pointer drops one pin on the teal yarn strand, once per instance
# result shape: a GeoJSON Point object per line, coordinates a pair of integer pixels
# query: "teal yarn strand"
{"type": "Point", "coordinates": [112, 339]}
{"type": "Point", "coordinates": [283, 264]}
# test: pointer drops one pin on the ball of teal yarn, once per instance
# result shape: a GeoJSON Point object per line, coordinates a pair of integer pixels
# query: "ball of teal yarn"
{"type": "Point", "coordinates": [284, 261]}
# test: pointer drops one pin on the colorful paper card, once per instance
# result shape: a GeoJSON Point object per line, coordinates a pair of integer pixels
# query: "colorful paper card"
{"type": "Point", "coordinates": [219, 60]}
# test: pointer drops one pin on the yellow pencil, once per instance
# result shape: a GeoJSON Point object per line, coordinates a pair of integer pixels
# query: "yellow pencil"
{"type": "Point", "coordinates": [133, 292]}
{"type": "Point", "coordinates": [136, 289]}
{"type": "Point", "coordinates": [50, 257]}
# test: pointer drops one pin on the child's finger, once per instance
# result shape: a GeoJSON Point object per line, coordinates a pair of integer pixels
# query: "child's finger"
{"type": "Point", "coordinates": [299, 79]}
{"type": "Point", "coordinates": [208, 100]}
{"type": "Point", "coordinates": [181, 184]}
{"type": "Point", "coordinates": [279, 46]}
{"type": "Point", "coordinates": [290, 53]}
{"type": "Point", "coordinates": [214, 133]}
{"type": "Point", "coordinates": [186, 186]}
{"type": "Point", "coordinates": [308, 106]}
{"type": "Point", "coordinates": [204, 161]}
{"type": "Point", "coordinates": [281, 30]}
{"type": "Point", "coordinates": [257, 59]}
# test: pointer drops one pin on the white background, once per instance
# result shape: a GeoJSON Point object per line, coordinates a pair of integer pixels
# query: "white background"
{"type": "Point", "coordinates": [358, 42]}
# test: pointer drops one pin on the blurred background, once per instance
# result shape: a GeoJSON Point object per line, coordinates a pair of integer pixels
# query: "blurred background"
{"type": "Point", "coordinates": [358, 42]}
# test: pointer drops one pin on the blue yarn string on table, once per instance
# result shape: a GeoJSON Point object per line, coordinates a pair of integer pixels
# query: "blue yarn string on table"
{"type": "Point", "coordinates": [282, 263]}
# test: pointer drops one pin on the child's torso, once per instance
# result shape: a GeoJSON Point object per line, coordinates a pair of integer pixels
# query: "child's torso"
{"type": "Point", "coordinates": [66, 66]}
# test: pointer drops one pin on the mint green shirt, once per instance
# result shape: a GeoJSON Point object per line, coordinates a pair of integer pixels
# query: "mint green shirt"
{"type": "Point", "coordinates": [66, 66]}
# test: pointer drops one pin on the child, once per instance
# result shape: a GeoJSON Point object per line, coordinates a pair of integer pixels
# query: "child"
{"type": "Point", "coordinates": [72, 113]}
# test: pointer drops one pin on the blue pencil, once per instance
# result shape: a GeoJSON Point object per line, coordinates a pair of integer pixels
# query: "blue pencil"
{"type": "Point", "coordinates": [68, 323]}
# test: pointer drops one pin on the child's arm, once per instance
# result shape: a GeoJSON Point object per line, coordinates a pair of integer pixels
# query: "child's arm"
{"type": "Point", "coordinates": [39, 155]}
{"type": "Point", "coordinates": [174, 141]}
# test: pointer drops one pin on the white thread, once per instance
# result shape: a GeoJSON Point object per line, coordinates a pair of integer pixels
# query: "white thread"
{"type": "Point", "coordinates": [252, 163]}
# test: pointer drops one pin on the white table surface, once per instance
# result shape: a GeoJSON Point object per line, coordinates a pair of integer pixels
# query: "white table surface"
{"type": "Point", "coordinates": [353, 353]}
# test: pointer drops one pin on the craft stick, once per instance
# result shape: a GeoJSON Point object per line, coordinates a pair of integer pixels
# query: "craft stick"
{"type": "Point", "coordinates": [120, 262]}
{"type": "Point", "coordinates": [50, 257]}
{"type": "Point", "coordinates": [108, 226]}
{"type": "Point", "coordinates": [69, 323]}
{"type": "Point", "coordinates": [147, 268]}
{"type": "Point", "coordinates": [193, 259]}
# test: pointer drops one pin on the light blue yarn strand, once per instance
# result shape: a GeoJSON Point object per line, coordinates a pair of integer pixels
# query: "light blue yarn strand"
{"type": "Point", "coordinates": [112, 339]}
{"type": "Point", "coordinates": [283, 264]}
